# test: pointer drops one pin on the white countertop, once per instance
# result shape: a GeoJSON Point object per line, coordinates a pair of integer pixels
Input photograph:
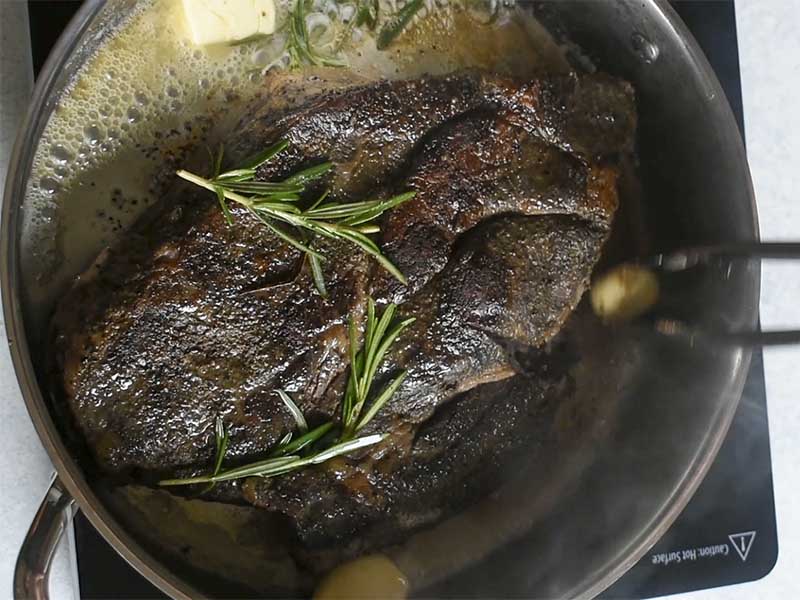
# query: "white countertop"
{"type": "Point", "coordinates": [770, 63]}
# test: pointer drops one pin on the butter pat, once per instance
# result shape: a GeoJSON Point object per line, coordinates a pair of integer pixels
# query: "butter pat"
{"type": "Point", "coordinates": [220, 21]}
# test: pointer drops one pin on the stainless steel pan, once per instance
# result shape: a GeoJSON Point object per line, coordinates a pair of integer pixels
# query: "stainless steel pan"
{"type": "Point", "coordinates": [614, 494]}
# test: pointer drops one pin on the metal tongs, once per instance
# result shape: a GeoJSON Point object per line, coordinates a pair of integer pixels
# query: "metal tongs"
{"type": "Point", "coordinates": [651, 284]}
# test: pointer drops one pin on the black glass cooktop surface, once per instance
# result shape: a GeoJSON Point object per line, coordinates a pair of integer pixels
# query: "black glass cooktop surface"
{"type": "Point", "coordinates": [725, 535]}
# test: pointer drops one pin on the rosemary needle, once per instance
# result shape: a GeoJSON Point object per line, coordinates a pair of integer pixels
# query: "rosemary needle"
{"type": "Point", "coordinates": [221, 438]}
{"type": "Point", "coordinates": [299, 419]}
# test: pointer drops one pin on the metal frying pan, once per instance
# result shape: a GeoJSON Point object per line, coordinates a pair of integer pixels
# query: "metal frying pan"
{"type": "Point", "coordinates": [670, 413]}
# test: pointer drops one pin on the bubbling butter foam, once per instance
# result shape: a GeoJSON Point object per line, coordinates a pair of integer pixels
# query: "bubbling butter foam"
{"type": "Point", "coordinates": [140, 103]}
{"type": "Point", "coordinates": [147, 80]}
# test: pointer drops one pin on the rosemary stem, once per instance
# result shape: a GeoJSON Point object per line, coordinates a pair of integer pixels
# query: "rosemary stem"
{"type": "Point", "coordinates": [187, 481]}
{"type": "Point", "coordinates": [205, 183]}
{"type": "Point", "coordinates": [287, 217]}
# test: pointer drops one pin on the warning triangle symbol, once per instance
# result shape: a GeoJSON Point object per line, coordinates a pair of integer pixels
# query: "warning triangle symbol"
{"type": "Point", "coordinates": [742, 542]}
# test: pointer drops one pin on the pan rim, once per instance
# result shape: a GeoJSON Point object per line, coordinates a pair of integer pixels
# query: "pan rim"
{"type": "Point", "coordinates": [707, 451]}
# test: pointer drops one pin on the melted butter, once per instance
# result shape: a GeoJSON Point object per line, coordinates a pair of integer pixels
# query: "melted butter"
{"type": "Point", "coordinates": [148, 101]}
{"type": "Point", "coordinates": [516, 44]}
{"type": "Point", "coordinates": [141, 103]}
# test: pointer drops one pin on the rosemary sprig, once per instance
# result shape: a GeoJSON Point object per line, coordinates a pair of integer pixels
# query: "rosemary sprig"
{"type": "Point", "coordinates": [399, 21]}
{"type": "Point", "coordinates": [278, 202]}
{"type": "Point", "coordinates": [298, 44]}
{"type": "Point", "coordinates": [379, 335]}
{"type": "Point", "coordinates": [272, 467]}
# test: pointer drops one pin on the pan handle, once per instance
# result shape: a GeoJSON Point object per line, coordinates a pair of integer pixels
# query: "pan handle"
{"type": "Point", "coordinates": [36, 555]}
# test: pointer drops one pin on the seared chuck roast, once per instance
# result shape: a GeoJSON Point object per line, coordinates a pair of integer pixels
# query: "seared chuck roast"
{"type": "Point", "coordinates": [189, 319]}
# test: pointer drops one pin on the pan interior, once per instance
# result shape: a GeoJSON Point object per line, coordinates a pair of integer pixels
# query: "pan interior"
{"type": "Point", "coordinates": [633, 446]}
